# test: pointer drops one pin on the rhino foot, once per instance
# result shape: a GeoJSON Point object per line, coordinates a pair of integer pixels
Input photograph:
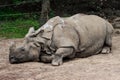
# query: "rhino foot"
{"type": "Point", "coordinates": [57, 60]}
{"type": "Point", "coordinates": [106, 50]}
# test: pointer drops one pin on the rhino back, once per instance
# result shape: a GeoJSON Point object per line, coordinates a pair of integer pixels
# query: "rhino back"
{"type": "Point", "coordinates": [91, 29]}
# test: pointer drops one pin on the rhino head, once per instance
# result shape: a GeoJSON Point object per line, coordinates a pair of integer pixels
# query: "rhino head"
{"type": "Point", "coordinates": [29, 50]}
{"type": "Point", "coordinates": [33, 45]}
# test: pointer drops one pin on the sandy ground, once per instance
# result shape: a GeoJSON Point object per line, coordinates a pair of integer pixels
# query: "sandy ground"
{"type": "Point", "coordinates": [97, 67]}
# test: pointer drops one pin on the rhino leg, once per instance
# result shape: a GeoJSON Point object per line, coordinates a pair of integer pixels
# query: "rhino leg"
{"type": "Point", "coordinates": [60, 54]}
{"type": "Point", "coordinates": [108, 44]}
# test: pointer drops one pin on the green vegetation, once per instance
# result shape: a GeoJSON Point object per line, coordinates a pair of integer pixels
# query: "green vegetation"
{"type": "Point", "coordinates": [16, 16]}
{"type": "Point", "coordinates": [15, 24]}
{"type": "Point", "coordinates": [17, 28]}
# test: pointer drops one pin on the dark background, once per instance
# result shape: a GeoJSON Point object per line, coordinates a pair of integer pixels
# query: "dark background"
{"type": "Point", "coordinates": [104, 8]}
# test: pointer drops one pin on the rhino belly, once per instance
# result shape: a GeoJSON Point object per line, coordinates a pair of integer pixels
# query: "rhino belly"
{"type": "Point", "coordinates": [91, 50]}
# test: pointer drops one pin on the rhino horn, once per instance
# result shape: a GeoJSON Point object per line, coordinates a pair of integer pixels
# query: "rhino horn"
{"type": "Point", "coordinates": [31, 30]}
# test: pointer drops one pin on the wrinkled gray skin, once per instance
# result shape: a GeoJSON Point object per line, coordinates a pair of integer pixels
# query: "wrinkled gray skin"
{"type": "Point", "coordinates": [76, 36]}
{"type": "Point", "coordinates": [25, 53]}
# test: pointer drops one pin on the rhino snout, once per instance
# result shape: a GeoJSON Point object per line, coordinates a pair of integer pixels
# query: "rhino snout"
{"type": "Point", "coordinates": [12, 59]}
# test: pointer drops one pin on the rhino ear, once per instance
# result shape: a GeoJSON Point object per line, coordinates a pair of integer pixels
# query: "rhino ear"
{"type": "Point", "coordinates": [12, 47]}
{"type": "Point", "coordinates": [31, 30]}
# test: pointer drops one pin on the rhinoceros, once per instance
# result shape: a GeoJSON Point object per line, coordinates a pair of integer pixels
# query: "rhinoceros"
{"type": "Point", "coordinates": [76, 36]}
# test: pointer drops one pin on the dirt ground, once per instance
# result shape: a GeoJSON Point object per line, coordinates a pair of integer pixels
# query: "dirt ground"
{"type": "Point", "coordinates": [97, 67]}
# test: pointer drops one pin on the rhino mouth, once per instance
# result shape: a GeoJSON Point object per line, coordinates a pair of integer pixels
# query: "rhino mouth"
{"type": "Point", "coordinates": [13, 60]}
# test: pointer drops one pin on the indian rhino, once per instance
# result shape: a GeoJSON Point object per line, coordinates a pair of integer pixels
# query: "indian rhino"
{"type": "Point", "coordinates": [75, 36]}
